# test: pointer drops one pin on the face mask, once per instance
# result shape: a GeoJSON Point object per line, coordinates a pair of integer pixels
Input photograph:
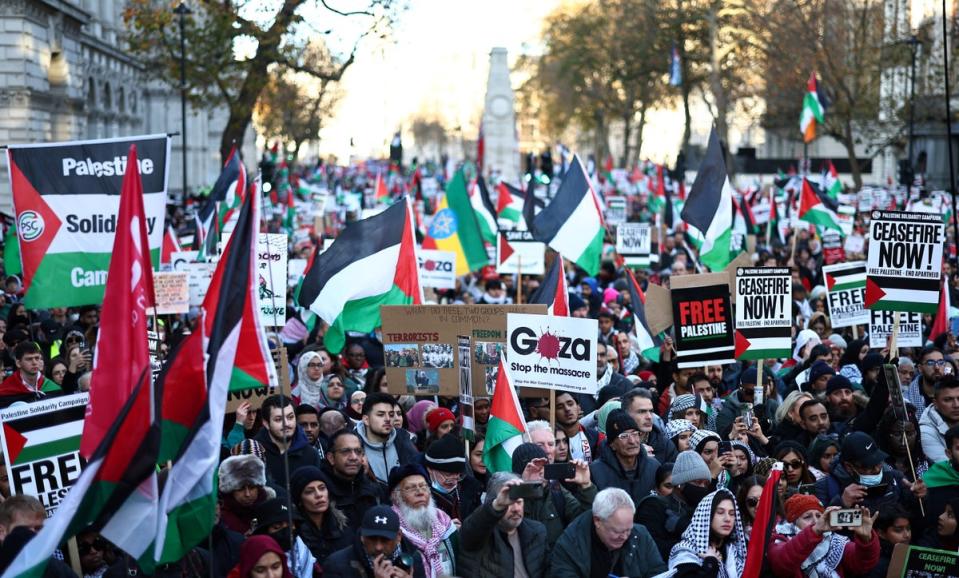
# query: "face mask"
{"type": "Point", "coordinates": [436, 486]}
{"type": "Point", "coordinates": [282, 538]}
{"type": "Point", "coordinates": [695, 494]}
{"type": "Point", "coordinates": [870, 480]}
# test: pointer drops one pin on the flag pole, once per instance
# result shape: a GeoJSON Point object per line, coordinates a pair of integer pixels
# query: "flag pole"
{"type": "Point", "coordinates": [952, 170]}
{"type": "Point", "coordinates": [894, 340]}
{"type": "Point", "coordinates": [519, 282]}
{"type": "Point", "coordinates": [769, 223]}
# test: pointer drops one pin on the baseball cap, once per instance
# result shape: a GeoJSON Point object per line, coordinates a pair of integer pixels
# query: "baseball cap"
{"type": "Point", "coordinates": [380, 521]}
{"type": "Point", "coordinates": [860, 448]}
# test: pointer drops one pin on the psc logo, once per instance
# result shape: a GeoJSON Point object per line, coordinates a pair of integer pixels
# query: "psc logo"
{"type": "Point", "coordinates": [30, 226]}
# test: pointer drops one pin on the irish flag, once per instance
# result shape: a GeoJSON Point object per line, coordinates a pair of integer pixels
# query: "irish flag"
{"type": "Point", "coordinates": [709, 209]}
{"type": "Point", "coordinates": [454, 228]}
{"type": "Point", "coordinates": [509, 208]}
{"type": "Point", "coordinates": [506, 426]}
{"type": "Point", "coordinates": [372, 263]}
{"type": "Point", "coordinates": [572, 224]}
{"type": "Point", "coordinates": [813, 208]}
{"type": "Point", "coordinates": [812, 110]}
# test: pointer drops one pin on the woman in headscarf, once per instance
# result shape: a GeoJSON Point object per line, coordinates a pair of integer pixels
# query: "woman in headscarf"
{"type": "Point", "coordinates": [851, 358]}
{"type": "Point", "coordinates": [309, 373]}
{"type": "Point", "coordinates": [713, 545]}
{"type": "Point", "coordinates": [261, 557]}
{"type": "Point", "coordinates": [333, 392]}
{"type": "Point", "coordinates": [815, 550]}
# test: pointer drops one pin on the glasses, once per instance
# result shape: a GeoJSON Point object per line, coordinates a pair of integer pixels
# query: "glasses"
{"type": "Point", "coordinates": [347, 451]}
{"type": "Point", "coordinates": [794, 465]}
{"type": "Point", "coordinates": [417, 489]}
{"type": "Point", "coordinates": [628, 435]}
{"type": "Point", "coordinates": [448, 476]}
{"type": "Point", "coordinates": [100, 545]}
{"type": "Point", "coordinates": [315, 365]}
{"type": "Point", "coordinates": [752, 502]}
{"type": "Point", "coordinates": [934, 362]}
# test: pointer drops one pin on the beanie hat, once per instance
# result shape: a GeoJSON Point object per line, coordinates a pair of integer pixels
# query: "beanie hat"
{"type": "Point", "coordinates": [674, 427]}
{"type": "Point", "coordinates": [602, 414]}
{"type": "Point", "coordinates": [437, 416]}
{"type": "Point", "coordinates": [799, 504]}
{"type": "Point", "coordinates": [617, 422]}
{"type": "Point", "coordinates": [524, 454]}
{"type": "Point", "coordinates": [837, 341]}
{"type": "Point", "coordinates": [836, 383]}
{"type": "Point", "coordinates": [700, 437]}
{"type": "Point", "coordinates": [689, 467]}
{"type": "Point", "coordinates": [237, 472]}
{"type": "Point", "coordinates": [249, 448]}
{"type": "Point", "coordinates": [748, 377]}
{"type": "Point", "coordinates": [446, 454]}
{"type": "Point", "coordinates": [611, 391]}
{"type": "Point", "coordinates": [302, 477]}
{"type": "Point", "coordinates": [819, 369]}
{"type": "Point", "coordinates": [872, 361]}
{"type": "Point", "coordinates": [575, 302]}
{"type": "Point", "coordinates": [646, 375]}
{"type": "Point", "coordinates": [400, 473]}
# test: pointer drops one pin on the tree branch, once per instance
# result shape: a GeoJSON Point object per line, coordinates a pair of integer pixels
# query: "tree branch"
{"type": "Point", "coordinates": [342, 13]}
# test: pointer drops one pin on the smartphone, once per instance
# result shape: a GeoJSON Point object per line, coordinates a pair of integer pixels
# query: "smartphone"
{"type": "Point", "coordinates": [877, 491]}
{"type": "Point", "coordinates": [526, 490]}
{"type": "Point", "coordinates": [562, 471]}
{"type": "Point", "coordinates": [725, 448]}
{"type": "Point", "coordinates": [851, 518]}
{"type": "Point", "coordinates": [747, 413]}
{"type": "Point", "coordinates": [404, 562]}
{"type": "Point", "coordinates": [808, 489]}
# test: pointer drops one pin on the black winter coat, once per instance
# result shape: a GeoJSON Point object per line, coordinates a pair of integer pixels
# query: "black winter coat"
{"type": "Point", "coordinates": [485, 551]}
{"type": "Point", "coordinates": [607, 472]}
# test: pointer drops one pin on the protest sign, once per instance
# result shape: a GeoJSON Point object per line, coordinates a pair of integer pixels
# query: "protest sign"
{"type": "Point", "coordinates": [702, 320]}
{"type": "Point", "coordinates": [180, 258]}
{"type": "Point", "coordinates": [66, 197]}
{"type": "Point", "coordinates": [763, 313]}
{"type": "Point", "coordinates": [172, 289]}
{"type": "Point", "coordinates": [41, 447]}
{"type": "Point", "coordinates": [881, 323]}
{"type": "Point", "coordinates": [552, 352]}
{"type": "Point", "coordinates": [153, 344]}
{"type": "Point", "coordinates": [437, 268]}
{"type": "Point", "coordinates": [463, 352]}
{"type": "Point", "coordinates": [905, 261]}
{"type": "Point", "coordinates": [918, 562]}
{"type": "Point", "coordinates": [517, 252]}
{"type": "Point", "coordinates": [633, 243]}
{"type": "Point", "coordinates": [846, 290]}
{"type": "Point", "coordinates": [271, 257]}
{"type": "Point", "coordinates": [832, 248]}
{"type": "Point", "coordinates": [419, 343]}
{"type": "Point", "coordinates": [294, 271]}
{"type": "Point", "coordinates": [615, 210]}
{"type": "Point", "coordinates": [854, 244]}
{"type": "Point", "coordinates": [199, 276]}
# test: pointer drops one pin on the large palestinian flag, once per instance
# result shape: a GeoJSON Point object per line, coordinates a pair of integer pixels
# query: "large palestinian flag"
{"type": "Point", "coordinates": [504, 432]}
{"type": "Point", "coordinates": [371, 263]}
{"type": "Point", "coordinates": [818, 208]}
{"type": "Point", "coordinates": [709, 209]}
{"type": "Point", "coordinates": [66, 197]}
{"type": "Point", "coordinates": [572, 224]}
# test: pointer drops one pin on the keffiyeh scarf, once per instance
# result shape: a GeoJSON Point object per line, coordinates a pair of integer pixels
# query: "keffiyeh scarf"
{"type": "Point", "coordinates": [695, 540]}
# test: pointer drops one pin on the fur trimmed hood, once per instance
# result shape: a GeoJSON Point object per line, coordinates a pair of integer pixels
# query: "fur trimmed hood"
{"type": "Point", "coordinates": [239, 471]}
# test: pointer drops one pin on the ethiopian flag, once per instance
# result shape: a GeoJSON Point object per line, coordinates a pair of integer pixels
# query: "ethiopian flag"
{"type": "Point", "coordinates": [454, 228]}
{"type": "Point", "coordinates": [506, 426]}
{"type": "Point", "coordinates": [372, 263]}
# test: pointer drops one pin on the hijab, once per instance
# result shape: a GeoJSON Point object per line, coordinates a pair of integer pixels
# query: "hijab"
{"type": "Point", "coordinates": [308, 390]}
{"type": "Point", "coordinates": [695, 540]}
{"type": "Point", "coordinates": [251, 550]}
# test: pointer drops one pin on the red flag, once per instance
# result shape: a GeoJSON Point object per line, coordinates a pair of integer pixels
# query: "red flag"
{"type": "Point", "coordinates": [764, 524]}
{"type": "Point", "coordinates": [123, 324]}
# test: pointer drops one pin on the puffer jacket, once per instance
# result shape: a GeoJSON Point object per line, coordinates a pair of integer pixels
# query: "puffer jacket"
{"type": "Point", "coordinates": [485, 551]}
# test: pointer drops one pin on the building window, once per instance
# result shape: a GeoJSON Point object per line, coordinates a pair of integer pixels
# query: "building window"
{"type": "Point", "coordinates": [107, 97]}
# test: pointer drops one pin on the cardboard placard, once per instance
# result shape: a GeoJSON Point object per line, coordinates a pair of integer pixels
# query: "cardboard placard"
{"type": "Point", "coordinates": [551, 352]}
{"type": "Point", "coordinates": [763, 313]}
{"type": "Point", "coordinates": [846, 293]}
{"type": "Point", "coordinates": [172, 289]}
{"type": "Point", "coordinates": [517, 252]}
{"type": "Point", "coordinates": [419, 341]}
{"type": "Point", "coordinates": [256, 395]}
{"type": "Point", "coordinates": [881, 323]}
{"type": "Point", "coordinates": [702, 320]}
{"type": "Point", "coordinates": [437, 268]}
{"type": "Point", "coordinates": [44, 459]}
{"type": "Point", "coordinates": [633, 243]}
{"type": "Point", "coordinates": [659, 308]}
{"type": "Point", "coordinates": [271, 255]}
{"type": "Point", "coordinates": [904, 264]}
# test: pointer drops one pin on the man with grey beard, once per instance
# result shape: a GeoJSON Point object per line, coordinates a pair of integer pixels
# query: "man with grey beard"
{"type": "Point", "coordinates": [426, 527]}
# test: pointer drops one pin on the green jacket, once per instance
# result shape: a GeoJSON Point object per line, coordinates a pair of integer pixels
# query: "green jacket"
{"type": "Point", "coordinates": [572, 555]}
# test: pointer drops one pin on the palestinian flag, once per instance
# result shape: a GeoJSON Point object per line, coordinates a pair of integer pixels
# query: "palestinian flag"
{"type": "Point", "coordinates": [506, 426]}
{"type": "Point", "coordinates": [11, 251]}
{"type": "Point", "coordinates": [709, 209]}
{"type": "Point", "coordinates": [225, 196]}
{"type": "Point", "coordinates": [553, 292]}
{"type": "Point", "coordinates": [765, 523]}
{"type": "Point", "coordinates": [171, 244]}
{"type": "Point", "coordinates": [380, 251]}
{"type": "Point", "coordinates": [852, 276]}
{"type": "Point", "coordinates": [573, 223]}
{"type": "Point", "coordinates": [831, 182]}
{"type": "Point", "coordinates": [509, 208]}
{"type": "Point", "coordinates": [380, 192]}
{"type": "Point", "coordinates": [817, 209]}
{"type": "Point", "coordinates": [649, 343]}
{"type": "Point", "coordinates": [117, 490]}
{"type": "Point", "coordinates": [454, 228]}
{"type": "Point", "coordinates": [194, 393]}
{"type": "Point", "coordinates": [531, 205]}
{"type": "Point", "coordinates": [483, 207]}
{"type": "Point", "coordinates": [812, 110]}
{"type": "Point", "coordinates": [34, 437]}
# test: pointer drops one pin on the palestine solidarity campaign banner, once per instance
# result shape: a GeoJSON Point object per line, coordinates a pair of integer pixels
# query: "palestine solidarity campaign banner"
{"type": "Point", "coordinates": [66, 197]}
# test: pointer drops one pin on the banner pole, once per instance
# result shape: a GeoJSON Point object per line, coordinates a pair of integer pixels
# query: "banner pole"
{"type": "Point", "coordinates": [894, 342]}
{"type": "Point", "coordinates": [519, 281]}
{"type": "Point", "coordinates": [769, 223]}
{"type": "Point", "coordinates": [552, 410]}
{"type": "Point", "coordinates": [855, 331]}
{"type": "Point", "coordinates": [912, 468]}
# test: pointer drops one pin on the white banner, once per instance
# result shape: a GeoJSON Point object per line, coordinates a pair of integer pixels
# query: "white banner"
{"type": "Point", "coordinates": [271, 279]}
{"type": "Point", "coordinates": [550, 352]}
{"type": "Point", "coordinates": [437, 268]}
{"type": "Point", "coordinates": [517, 252]}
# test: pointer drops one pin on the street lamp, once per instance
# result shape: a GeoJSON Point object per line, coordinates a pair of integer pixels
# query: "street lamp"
{"type": "Point", "coordinates": [913, 44]}
{"type": "Point", "coordinates": [182, 11]}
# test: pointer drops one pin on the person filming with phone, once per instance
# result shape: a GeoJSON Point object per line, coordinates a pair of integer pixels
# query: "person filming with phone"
{"type": "Point", "coordinates": [816, 549]}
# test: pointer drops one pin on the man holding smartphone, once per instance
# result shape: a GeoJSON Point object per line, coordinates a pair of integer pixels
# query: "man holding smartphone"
{"type": "Point", "coordinates": [379, 549]}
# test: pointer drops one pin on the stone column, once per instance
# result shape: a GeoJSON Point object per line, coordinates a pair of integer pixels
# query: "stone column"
{"type": "Point", "coordinates": [501, 148]}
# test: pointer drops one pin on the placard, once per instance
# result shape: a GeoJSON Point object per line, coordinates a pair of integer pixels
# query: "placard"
{"type": "Point", "coordinates": [702, 320]}
{"type": "Point", "coordinates": [854, 244]}
{"type": "Point", "coordinates": [633, 243]}
{"type": "Point", "coordinates": [41, 447]}
{"type": "Point", "coordinates": [518, 252]}
{"type": "Point", "coordinates": [832, 247]}
{"type": "Point", "coordinates": [464, 353]}
{"type": "Point", "coordinates": [615, 210]}
{"type": "Point", "coordinates": [437, 268]}
{"type": "Point", "coordinates": [881, 323]}
{"type": "Point", "coordinates": [919, 562]}
{"type": "Point", "coordinates": [905, 261]}
{"type": "Point", "coordinates": [199, 276]}
{"type": "Point", "coordinates": [550, 352]}
{"type": "Point", "coordinates": [172, 290]}
{"type": "Point", "coordinates": [419, 343]}
{"type": "Point", "coordinates": [763, 313]}
{"type": "Point", "coordinates": [846, 293]}
{"type": "Point", "coordinates": [256, 395]}
{"type": "Point", "coordinates": [271, 255]}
